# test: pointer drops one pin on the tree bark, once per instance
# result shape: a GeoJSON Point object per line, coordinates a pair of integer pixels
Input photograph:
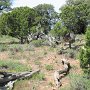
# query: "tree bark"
{"type": "Point", "coordinates": [70, 44]}
{"type": "Point", "coordinates": [12, 77]}
{"type": "Point", "coordinates": [58, 74]}
{"type": "Point", "coordinates": [22, 40]}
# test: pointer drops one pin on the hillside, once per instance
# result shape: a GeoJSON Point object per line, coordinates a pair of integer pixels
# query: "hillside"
{"type": "Point", "coordinates": [24, 57]}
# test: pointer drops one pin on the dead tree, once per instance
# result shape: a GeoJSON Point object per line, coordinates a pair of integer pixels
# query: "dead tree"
{"type": "Point", "coordinates": [11, 77]}
{"type": "Point", "coordinates": [57, 78]}
{"type": "Point", "coordinates": [61, 73]}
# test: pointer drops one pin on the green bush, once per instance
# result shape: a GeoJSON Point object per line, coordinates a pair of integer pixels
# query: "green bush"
{"type": "Point", "coordinates": [16, 48]}
{"type": "Point", "coordinates": [71, 53]}
{"type": "Point", "coordinates": [85, 59]}
{"type": "Point", "coordinates": [37, 43]}
{"type": "Point", "coordinates": [49, 67]}
{"type": "Point", "coordinates": [39, 76]}
{"type": "Point", "coordinates": [78, 82]}
{"type": "Point", "coordinates": [85, 53]}
{"type": "Point", "coordinates": [45, 52]}
{"type": "Point", "coordinates": [14, 66]}
{"type": "Point", "coordinates": [60, 51]}
{"type": "Point", "coordinates": [8, 39]}
{"type": "Point", "coordinates": [37, 62]}
{"type": "Point", "coordinates": [3, 47]}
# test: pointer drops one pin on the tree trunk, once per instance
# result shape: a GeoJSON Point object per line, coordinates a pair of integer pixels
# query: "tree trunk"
{"type": "Point", "coordinates": [58, 74]}
{"type": "Point", "coordinates": [70, 44]}
{"type": "Point", "coordinates": [12, 77]}
{"type": "Point", "coordinates": [22, 40]}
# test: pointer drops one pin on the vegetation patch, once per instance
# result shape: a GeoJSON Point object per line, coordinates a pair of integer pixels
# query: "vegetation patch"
{"type": "Point", "coordinates": [13, 66]}
{"type": "Point", "coordinates": [37, 43]}
{"type": "Point", "coordinates": [78, 82]}
{"type": "Point", "coordinates": [3, 47]}
{"type": "Point", "coordinates": [39, 76]}
{"type": "Point", "coordinates": [49, 67]}
{"type": "Point", "coordinates": [8, 39]}
{"type": "Point", "coordinates": [37, 62]}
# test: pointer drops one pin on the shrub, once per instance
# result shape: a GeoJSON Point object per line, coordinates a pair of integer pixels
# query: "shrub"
{"type": "Point", "coordinates": [16, 48]}
{"type": "Point", "coordinates": [30, 48]}
{"type": "Point", "coordinates": [85, 53]}
{"type": "Point", "coordinates": [8, 39]}
{"type": "Point", "coordinates": [71, 53]}
{"type": "Point", "coordinates": [39, 76]}
{"type": "Point", "coordinates": [78, 82]}
{"type": "Point", "coordinates": [37, 62]}
{"type": "Point", "coordinates": [60, 51]}
{"type": "Point", "coordinates": [14, 66]}
{"type": "Point", "coordinates": [46, 43]}
{"type": "Point", "coordinates": [49, 67]}
{"type": "Point", "coordinates": [37, 43]}
{"type": "Point", "coordinates": [53, 45]}
{"type": "Point", "coordinates": [3, 47]}
{"type": "Point", "coordinates": [45, 53]}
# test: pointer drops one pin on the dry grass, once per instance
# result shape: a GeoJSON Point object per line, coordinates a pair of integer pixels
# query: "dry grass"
{"type": "Point", "coordinates": [38, 58]}
{"type": "Point", "coordinates": [44, 58]}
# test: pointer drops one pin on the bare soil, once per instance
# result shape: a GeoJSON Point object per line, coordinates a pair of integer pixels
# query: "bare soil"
{"type": "Point", "coordinates": [45, 56]}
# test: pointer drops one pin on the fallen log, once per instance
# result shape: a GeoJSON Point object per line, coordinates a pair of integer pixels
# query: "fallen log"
{"type": "Point", "coordinates": [57, 79]}
{"type": "Point", "coordinates": [13, 77]}
{"type": "Point", "coordinates": [59, 73]}
{"type": "Point", "coordinates": [30, 74]}
{"type": "Point", "coordinates": [6, 74]}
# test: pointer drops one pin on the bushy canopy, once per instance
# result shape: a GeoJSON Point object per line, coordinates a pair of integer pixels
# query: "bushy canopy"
{"type": "Point", "coordinates": [74, 15]}
{"type": "Point", "coordinates": [85, 53]}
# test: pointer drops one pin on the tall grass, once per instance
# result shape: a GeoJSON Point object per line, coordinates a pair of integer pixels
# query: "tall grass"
{"type": "Point", "coordinates": [78, 82]}
{"type": "Point", "coordinates": [13, 66]}
{"type": "Point", "coordinates": [8, 39]}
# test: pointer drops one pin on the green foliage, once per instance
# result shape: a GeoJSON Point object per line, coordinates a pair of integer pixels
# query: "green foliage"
{"type": "Point", "coordinates": [5, 39]}
{"type": "Point", "coordinates": [16, 48]}
{"type": "Point", "coordinates": [59, 30]}
{"type": "Point", "coordinates": [74, 16]}
{"type": "Point", "coordinates": [49, 67]}
{"type": "Point", "coordinates": [73, 53]}
{"type": "Point", "coordinates": [24, 20]}
{"type": "Point", "coordinates": [20, 48]}
{"type": "Point", "coordinates": [37, 62]}
{"type": "Point", "coordinates": [37, 43]}
{"type": "Point", "coordinates": [88, 4]}
{"type": "Point", "coordinates": [78, 82]}
{"type": "Point", "coordinates": [46, 16]}
{"type": "Point", "coordinates": [83, 59]}
{"type": "Point", "coordinates": [18, 22]}
{"type": "Point", "coordinates": [4, 4]}
{"type": "Point", "coordinates": [88, 37]}
{"type": "Point", "coordinates": [39, 76]}
{"type": "Point", "coordinates": [60, 51]}
{"type": "Point", "coordinates": [4, 29]}
{"type": "Point", "coordinates": [3, 47]}
{"type": "Point", "coordinates": [14, 66]}
{"type": "Point", "coordinates": [85, 53]}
